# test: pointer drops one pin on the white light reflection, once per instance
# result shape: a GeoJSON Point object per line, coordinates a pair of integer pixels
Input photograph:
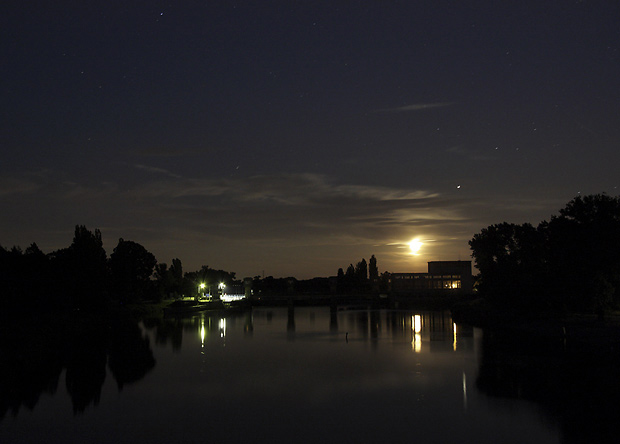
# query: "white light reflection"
{"type": "Point", "coordinates": [222, 327]}
{"type": "Point", "coordinates": [202, 333]}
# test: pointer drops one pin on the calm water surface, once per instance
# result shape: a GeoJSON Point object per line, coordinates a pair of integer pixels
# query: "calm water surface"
{"type": "Point", "coordinates": [302, 375]}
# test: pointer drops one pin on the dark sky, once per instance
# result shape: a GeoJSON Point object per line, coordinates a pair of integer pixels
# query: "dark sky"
{"type": "Point", "coordinates": [296, 137]}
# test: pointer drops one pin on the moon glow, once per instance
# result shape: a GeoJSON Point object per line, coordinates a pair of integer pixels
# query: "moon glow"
{"type": "Point", "coordinates": [415, 246]}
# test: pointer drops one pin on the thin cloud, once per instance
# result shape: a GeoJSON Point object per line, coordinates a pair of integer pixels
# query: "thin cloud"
{"type": "Point", "coordinates": [257, 214]}
{"type": "Point", "coordinates": [165, 151]}
{"type": "Point", "coordinates": [287, 190]}
{"type": "Point", "coordinates": [460, 150]}
{"type": "Point", "coordinates": [382, 193]}
{"type": "Point", "coordinates": [17, 185]}
{"type": "Point", "coordinates": [293, 208]}
{"type": "Point", "coordinates": [157, 170]}
{"type": "Point", "coordinates": [415, 107]}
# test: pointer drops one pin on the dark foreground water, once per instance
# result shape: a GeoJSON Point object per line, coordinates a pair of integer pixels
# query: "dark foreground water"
{"type": "Point", "coordinates": [303, 375]}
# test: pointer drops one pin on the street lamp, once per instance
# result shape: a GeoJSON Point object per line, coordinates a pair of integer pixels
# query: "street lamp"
{"type": "Point", "coordinates": [222, 286]}
{"type": "Point", "coordinates": [201, 287]}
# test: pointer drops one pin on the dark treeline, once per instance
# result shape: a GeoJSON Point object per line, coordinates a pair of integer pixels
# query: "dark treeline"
{"type": "Point", "coordinates": [568, 264]}
{"type": "Point", "coordinates": [270, 286]}
{"type": "Point", "coordinates": [172, 282]}
{"type": "Point", "coordinates": [362, 278]}
{"type": "Point", "coordinates": [83, 277]}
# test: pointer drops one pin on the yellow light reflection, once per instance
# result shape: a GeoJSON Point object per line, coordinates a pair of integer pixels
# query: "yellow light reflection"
{"type": "Point", "coordinates": [454, 336]}
{"type": "Point", "coordinates": [416, 326]}
{"type": "Point", "coordinates": [202, 333]}
{"type": "Point", "coordinates": [417, 323]}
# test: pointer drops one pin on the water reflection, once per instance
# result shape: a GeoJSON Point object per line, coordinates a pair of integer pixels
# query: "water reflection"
{"type": "Point", "coordinates": [222, 325]}
{"type": "Point", "coordinates": [202, 333]}
{"type": "Point", "coordinates": [205, 325]}
{"type": "Point", "coordinates": [320, 374]}
{"type": "Point", "coordinates": [464, 391]}
{"type": "Point", "coordinates": [248, 324]}
{"type": "Point", "coordinates": [576, 382]}
{"type": "Point", "coordinates": [34, 355]}
{"type": "Point", "coordinates": [454, 336]}
{"type": "Point", "coordinates": [286, 364]}
{"type": "Point", "coordinates": [290, 325]}
{"type": "Point", "coordinates": [435, 330]}
{"type": "Point", "coordinates": [333, 319]}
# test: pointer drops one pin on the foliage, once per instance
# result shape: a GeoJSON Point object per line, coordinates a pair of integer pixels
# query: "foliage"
{"type": "Point", "coordinates": [360, 278]}
{"type": "Point", "coordinates": [80, 277]}
{"type": "Point", "coordinates": [210, 277]}
{"type": "Point", "coordinates": [23, 274]}
{"type": "Point", "coordinates": [510, 262]}
{"type": "Point", "coordinates": [274, 287]}
{"type": "Point", "coordinates": [361, 271]}
{"type": "Point", "coordinates": [373, 271]}
{"type": "Point", "coordinates": [567, 264]}
{"type": "Point", "coordinates": [79, 272]}
{"type": "Point", "coordinates": [169, 280]}
{"type": "Point", "coordinates": [131, 267]}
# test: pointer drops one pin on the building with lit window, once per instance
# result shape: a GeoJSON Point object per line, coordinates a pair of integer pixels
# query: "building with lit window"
{"type": "Point", "coordinates": [442, 276]}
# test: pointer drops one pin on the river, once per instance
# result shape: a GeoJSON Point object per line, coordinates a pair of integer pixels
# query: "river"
{"type": "Point", "coordinates": [303, 375]}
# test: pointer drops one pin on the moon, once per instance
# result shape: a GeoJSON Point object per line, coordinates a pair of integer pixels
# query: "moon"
{"type": "Point", "coordinates": [415, 246]}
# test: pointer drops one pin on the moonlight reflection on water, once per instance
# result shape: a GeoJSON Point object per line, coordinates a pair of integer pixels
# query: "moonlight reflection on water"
{"type": "Point", "coordinates": [302, 375]}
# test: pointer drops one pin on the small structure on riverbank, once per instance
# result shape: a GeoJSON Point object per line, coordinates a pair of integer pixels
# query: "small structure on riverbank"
{"type": "Point", "coordinates": [442, 277]}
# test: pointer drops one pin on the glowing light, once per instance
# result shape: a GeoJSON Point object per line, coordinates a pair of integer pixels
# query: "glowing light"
{"type": "Point", "coordinates": [417, 323]}
{"type": "Point", "coordinates": [415, 246]}
{"type": "Point", "coordinates": [232, 297]}
{"type": "Point", "coordinates": [222, 327]}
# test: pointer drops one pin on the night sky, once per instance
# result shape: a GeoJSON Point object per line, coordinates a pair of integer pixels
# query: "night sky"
{"type": "Point", "coordinates": [292, 138]}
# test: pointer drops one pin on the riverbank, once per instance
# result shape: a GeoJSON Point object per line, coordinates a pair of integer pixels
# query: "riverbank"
{"type": "Point", "coordinates": [577, 332]}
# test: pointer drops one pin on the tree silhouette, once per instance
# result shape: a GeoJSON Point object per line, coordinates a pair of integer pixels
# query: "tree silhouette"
{"type": "Point", "coordinates": [340, 281]}
{"type": "Point", "coordinates": [361, 271]}
{"type": "Point", "coordinates": [176, 270]}
{"type": "Point", "coordinates": [584, 241]}
{"type": "Point", "coordinates": [131, 267]}
{"type": "Point", "coordinates": [24, 280]}
{"type": "Point", "coordinates": [510, 259]}
{"type": "Point", "coordinates": [568, 264]}
{"type": "Point", "coordinates": [373, 271]}
{"type": "Point", "coordinates": [80, 271]}
{"type": "Point", "coordinates": [163, 278]}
